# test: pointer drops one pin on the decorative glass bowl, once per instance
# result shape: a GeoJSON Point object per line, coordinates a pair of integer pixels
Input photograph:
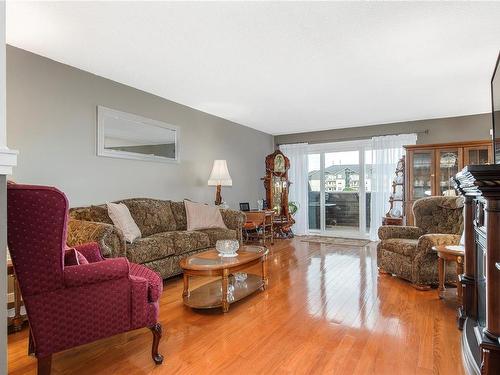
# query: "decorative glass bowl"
{"type": "Point", "coordinates": [227, 248]}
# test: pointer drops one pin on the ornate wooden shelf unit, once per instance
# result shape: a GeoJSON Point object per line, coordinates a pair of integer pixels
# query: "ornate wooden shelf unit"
{"type": "Point", "coordinates": [479, 315]}
{"type": "Point", "coordinates": [396, 200]}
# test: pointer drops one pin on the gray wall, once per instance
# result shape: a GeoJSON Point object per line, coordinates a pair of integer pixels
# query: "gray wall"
{"type": "Point", "coordinates": [51, 117]}
{"type": "Point", "coordinates": [451, 129]}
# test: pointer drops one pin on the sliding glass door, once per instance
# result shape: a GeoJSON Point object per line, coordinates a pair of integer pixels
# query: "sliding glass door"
{"type": "Point", "coordinates": [338, 186]}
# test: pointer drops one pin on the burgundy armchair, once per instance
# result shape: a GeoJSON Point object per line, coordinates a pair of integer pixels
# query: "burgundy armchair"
{"type": "Point", "coordinates": [73, 305]}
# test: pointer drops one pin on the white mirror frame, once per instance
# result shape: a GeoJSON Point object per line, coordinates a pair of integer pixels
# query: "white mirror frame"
{"type": "Point", "coordinates": [103, 112]}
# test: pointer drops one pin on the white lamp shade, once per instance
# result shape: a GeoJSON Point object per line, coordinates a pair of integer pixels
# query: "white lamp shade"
{"type": "Point", "coordinates": [220, 174]}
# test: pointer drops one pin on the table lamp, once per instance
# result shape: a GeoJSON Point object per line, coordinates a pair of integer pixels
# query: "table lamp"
{"type": "Point", "coordinates": [219, 177]}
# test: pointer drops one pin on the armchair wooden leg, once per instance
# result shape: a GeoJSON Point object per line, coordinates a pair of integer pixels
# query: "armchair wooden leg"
{"type": "Point", "coordinates": [31, 344]}
{"type": "Point", "coordinates": [44, 365]}
{"type": "Point", "coordinates": [156, 330]}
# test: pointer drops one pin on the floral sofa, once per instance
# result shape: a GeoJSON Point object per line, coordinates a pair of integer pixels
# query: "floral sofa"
{"type": "Point", "coordinates": [165, 240]}
{"type": "Point", "coordinates": [406, 251]}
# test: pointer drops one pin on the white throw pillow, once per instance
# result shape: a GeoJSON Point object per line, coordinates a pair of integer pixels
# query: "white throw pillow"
{"type": "Point", "coordinates": [121, 218]}
{"type": "Point", "coordinates": [201, 216]}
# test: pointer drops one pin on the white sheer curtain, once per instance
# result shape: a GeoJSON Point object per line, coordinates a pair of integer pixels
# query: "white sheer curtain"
{"type": "Point", "coordinates": [386, 151]}
{"type": "Point", "coordinates": [297, 174]}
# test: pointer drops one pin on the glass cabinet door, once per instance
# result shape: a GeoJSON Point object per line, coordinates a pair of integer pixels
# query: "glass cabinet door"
{"type": "Point", "coordinates": [477, 155]}
{"type": "Point", "coordinates": [448, 162]}
{"type": "Point", "coordinates": [421, 174]}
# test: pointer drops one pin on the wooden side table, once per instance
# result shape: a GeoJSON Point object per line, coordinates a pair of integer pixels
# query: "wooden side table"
{"type": "Point", "coordinates": [449, 253]}
{"type": "Point", "coordinates": [387, 220]}
{"type": "Point", "coordinates": [16, 322]}
{"type": "Point", "coordinates": [259, 226]}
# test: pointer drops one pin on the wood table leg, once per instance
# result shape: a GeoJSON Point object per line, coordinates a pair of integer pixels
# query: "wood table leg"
{"type": "Point", "coordinates": [225, 283]}
{"type": "Point", "coordinates": [44, 365]}
{"type": "Point", "coordinates": [441, 276]}
{"type": "Point", "coordinates": [265, 280]}
{"type": "Point", "coordinates": [460, 271]}
{"type": "Point", "coordinates": [185, 292]}
{"type": "Point", "coordinates": [272, 232]}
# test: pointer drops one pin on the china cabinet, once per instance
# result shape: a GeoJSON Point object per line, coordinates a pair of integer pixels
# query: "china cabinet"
{"type": "Point", "coordinates": [277, 184]}
{"type": "Point", "coordinates": [431, 168]}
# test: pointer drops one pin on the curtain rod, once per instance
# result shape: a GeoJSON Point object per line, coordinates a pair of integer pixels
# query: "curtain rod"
{"type": "Point", "coordinates": [426, 131]}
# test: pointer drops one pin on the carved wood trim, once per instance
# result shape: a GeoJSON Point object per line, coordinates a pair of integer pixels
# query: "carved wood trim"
{"type": "Point", "coordinates": [482, 184]}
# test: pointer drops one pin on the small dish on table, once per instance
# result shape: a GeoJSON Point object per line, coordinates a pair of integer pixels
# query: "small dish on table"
{"type": "Point", "coordinates": [227, 248]}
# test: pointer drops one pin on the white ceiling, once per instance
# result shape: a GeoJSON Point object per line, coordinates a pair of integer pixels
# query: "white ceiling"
{"type": "Point", "coordinates": [280, 67]}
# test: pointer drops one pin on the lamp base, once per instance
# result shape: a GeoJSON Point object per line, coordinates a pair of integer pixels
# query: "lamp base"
{"type": "Point", "coordinates": [218, 196]}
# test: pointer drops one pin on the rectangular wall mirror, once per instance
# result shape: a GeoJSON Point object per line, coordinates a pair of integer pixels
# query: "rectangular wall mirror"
{"type": "Point", "coordinates": [127, 136]}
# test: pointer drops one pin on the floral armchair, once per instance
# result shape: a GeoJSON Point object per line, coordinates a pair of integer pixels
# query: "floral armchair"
{"type": "Point", "coordinates": [70, 305]}
{"type": "Point", "coordinates": [406, 251]}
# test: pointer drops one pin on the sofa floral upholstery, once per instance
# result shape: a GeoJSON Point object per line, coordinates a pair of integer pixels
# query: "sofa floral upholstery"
{"type": "Point", "coordinates": [165, 240]}
{"type": "Point", "coordinates": [109, 238]}
{"type": "Point", "coordinates": [406, 251]}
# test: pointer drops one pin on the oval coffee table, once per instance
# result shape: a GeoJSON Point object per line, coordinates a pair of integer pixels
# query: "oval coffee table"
{"type": "Point", "coordinates": [215, 293]}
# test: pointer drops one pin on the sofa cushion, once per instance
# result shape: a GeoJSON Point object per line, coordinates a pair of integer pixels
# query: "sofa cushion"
{"type": "Point", "coordinates": [403, 246]}
{"type": "Point", "coordinates": [179, 214]}
{"type": "Point", "coordinates": [186, 241]}
{"type": "Point", "coordinates": [155, 283]}
{"type": "Point", "coordinates": [151, 215]}
{"type": "Point", "coordinates": [150, 248]}
{"type": "Point", "coordinates": [215, 234]}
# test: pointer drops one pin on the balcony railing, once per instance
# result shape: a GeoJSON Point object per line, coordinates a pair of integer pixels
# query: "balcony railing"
{"type": "Point", "coordinates": [341, 209]}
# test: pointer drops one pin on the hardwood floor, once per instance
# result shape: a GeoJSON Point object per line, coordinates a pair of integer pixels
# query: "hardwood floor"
{"type": "Point", "coordinates": [326, 310]}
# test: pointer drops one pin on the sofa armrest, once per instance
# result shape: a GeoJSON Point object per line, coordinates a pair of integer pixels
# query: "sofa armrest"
{"type": "Point", "coordinates": [427, 241]}
{"type": "Point", "coordinates": [234, 220]}
{"type": "Point", "coordinates": [108, 237]}
{"type": "Point", "coordinates": [90, 251]}
{"type": "Point", "coordinates": [425, 260]}
{"type": "Point", "coordinates": [84, 274]}
{"type": "Point", "coordinates": [395, 231]}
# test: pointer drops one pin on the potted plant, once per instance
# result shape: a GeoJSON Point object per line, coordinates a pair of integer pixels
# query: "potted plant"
{"type": "Point", "coordinates": [293, 207]}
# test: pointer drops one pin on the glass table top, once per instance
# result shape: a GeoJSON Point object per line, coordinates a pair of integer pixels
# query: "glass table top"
{"type": "Point", "coordinates": [212, 258]}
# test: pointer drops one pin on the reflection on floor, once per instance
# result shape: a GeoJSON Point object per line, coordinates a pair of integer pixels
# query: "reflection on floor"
{"type": "Point", "coordinates": [326, 311]}
{"type": "Point", "coordinates": [340, 241]}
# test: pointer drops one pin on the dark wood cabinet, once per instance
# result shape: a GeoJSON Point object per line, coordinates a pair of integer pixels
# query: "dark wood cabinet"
{"type": "Point", "coordinates": [479, 315]}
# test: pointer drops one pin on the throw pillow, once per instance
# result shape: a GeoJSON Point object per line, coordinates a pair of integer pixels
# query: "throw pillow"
{"type": "Point", "coordinates": [73, 257]}
{"type": "Point", "coordinates": [81, 258]}
{"type": "Point", "coordinates": [202, 216]}
{"type": "Point", "coordinates": [120, 215]}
